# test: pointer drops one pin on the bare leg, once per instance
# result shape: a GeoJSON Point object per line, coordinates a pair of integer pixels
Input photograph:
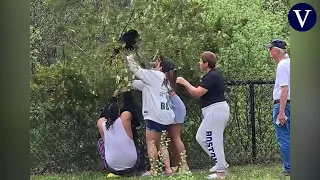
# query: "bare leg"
{"type": "Point", "coordinates": [166, 159]}
{"type": "Point", "coordinates": [177, 145]}
{"type": "Point", "coordinates": [152, 139]}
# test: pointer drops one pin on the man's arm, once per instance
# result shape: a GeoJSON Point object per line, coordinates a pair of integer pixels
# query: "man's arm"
{"type": "Point", "coordinates": [283, 77]}
{"type": "Point", "coordinates": [283, 98]}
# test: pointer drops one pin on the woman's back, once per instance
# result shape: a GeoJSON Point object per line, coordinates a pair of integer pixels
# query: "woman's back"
{"type": "Point", "coordinates": [120, 150]}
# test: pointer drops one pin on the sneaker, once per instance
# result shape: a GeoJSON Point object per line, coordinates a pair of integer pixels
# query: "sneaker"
{"type": "Point", "coordinates": [146, 174]}
{"type": "Point", "coordinates": [215, 176]}
{"type": "Point", "coordinates": [214, 168]}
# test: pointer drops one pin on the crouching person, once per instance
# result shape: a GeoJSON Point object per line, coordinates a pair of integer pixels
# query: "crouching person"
{"type": "Point", "coordinates": [116, 146]}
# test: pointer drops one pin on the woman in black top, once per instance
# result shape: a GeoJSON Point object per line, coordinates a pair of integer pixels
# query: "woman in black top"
{"type": "Point", "coordinates": [215, 111]}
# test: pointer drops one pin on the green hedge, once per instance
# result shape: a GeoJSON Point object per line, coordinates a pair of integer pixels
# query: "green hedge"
{"type": "Point", "coordinates": [64, 112]}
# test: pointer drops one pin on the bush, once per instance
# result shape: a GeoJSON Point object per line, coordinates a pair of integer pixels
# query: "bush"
{"type": "Point", "coordinates": [72, 73]}
{"type": "Point", "coordinates": [63, 116]}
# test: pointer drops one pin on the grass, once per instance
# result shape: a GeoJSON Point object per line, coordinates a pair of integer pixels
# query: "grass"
{"type": "Point", "coordinates": [249, 172]}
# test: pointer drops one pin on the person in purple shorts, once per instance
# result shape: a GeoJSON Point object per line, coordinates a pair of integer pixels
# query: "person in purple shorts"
{"type": "Point", "coordinates": [116, 146]}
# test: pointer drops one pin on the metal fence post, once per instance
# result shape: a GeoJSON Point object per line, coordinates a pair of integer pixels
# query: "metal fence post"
{"type": "Point", "coordinates": [253, 123]}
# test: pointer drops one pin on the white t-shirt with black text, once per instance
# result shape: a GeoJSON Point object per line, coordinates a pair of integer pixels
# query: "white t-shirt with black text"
{"type": "Point", "coordinates": [282, 78]}
{"type": "Point", "coordinates": [156, 104]}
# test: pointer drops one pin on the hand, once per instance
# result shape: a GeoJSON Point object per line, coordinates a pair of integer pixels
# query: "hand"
{"type": "Point", "coordinates": [282, 118]}
{"type": "Point", "coordinates": [130, 56]}
{"type": "Point", "coordinates": [116, 93]}
{"type": "Point", "coordinates": [180, 80]}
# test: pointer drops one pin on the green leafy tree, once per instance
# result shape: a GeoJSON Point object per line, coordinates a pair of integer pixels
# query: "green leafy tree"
{"type": "Point", "coordinates": [71, 45]}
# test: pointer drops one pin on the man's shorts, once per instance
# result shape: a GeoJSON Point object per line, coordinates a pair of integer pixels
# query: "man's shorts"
{"type": "Point", "coordinates": [154, 126]}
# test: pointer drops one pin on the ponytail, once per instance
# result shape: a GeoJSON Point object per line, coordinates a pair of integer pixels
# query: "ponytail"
{"type": "Point", "coordinates": [110, 112]}
{"type": "Point", "coordinates": [171, 78]}
{"type": "Point", "coordinates": [109, 123]}
{"type": "Point", "coordinates": [168, 70]}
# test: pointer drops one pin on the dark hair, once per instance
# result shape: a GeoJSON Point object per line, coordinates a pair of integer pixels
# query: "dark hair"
{"type": "Point", "coordinates": [168, 69]}
{"type": "Point", "coordinates": [110, 112]}
{"type": "Point", "coordinates": [210, 58]}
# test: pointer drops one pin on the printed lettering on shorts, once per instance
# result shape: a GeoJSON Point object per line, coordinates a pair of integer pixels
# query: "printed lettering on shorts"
{"type": "Point", "coordinates": [210, 146]}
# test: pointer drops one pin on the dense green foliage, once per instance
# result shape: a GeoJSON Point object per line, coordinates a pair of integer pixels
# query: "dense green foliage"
{"type": "Point", "coordinates": [72, 74]}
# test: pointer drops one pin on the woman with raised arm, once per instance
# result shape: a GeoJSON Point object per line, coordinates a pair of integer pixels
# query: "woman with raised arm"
{"type": "Point", "coordinates": [156, 110]}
